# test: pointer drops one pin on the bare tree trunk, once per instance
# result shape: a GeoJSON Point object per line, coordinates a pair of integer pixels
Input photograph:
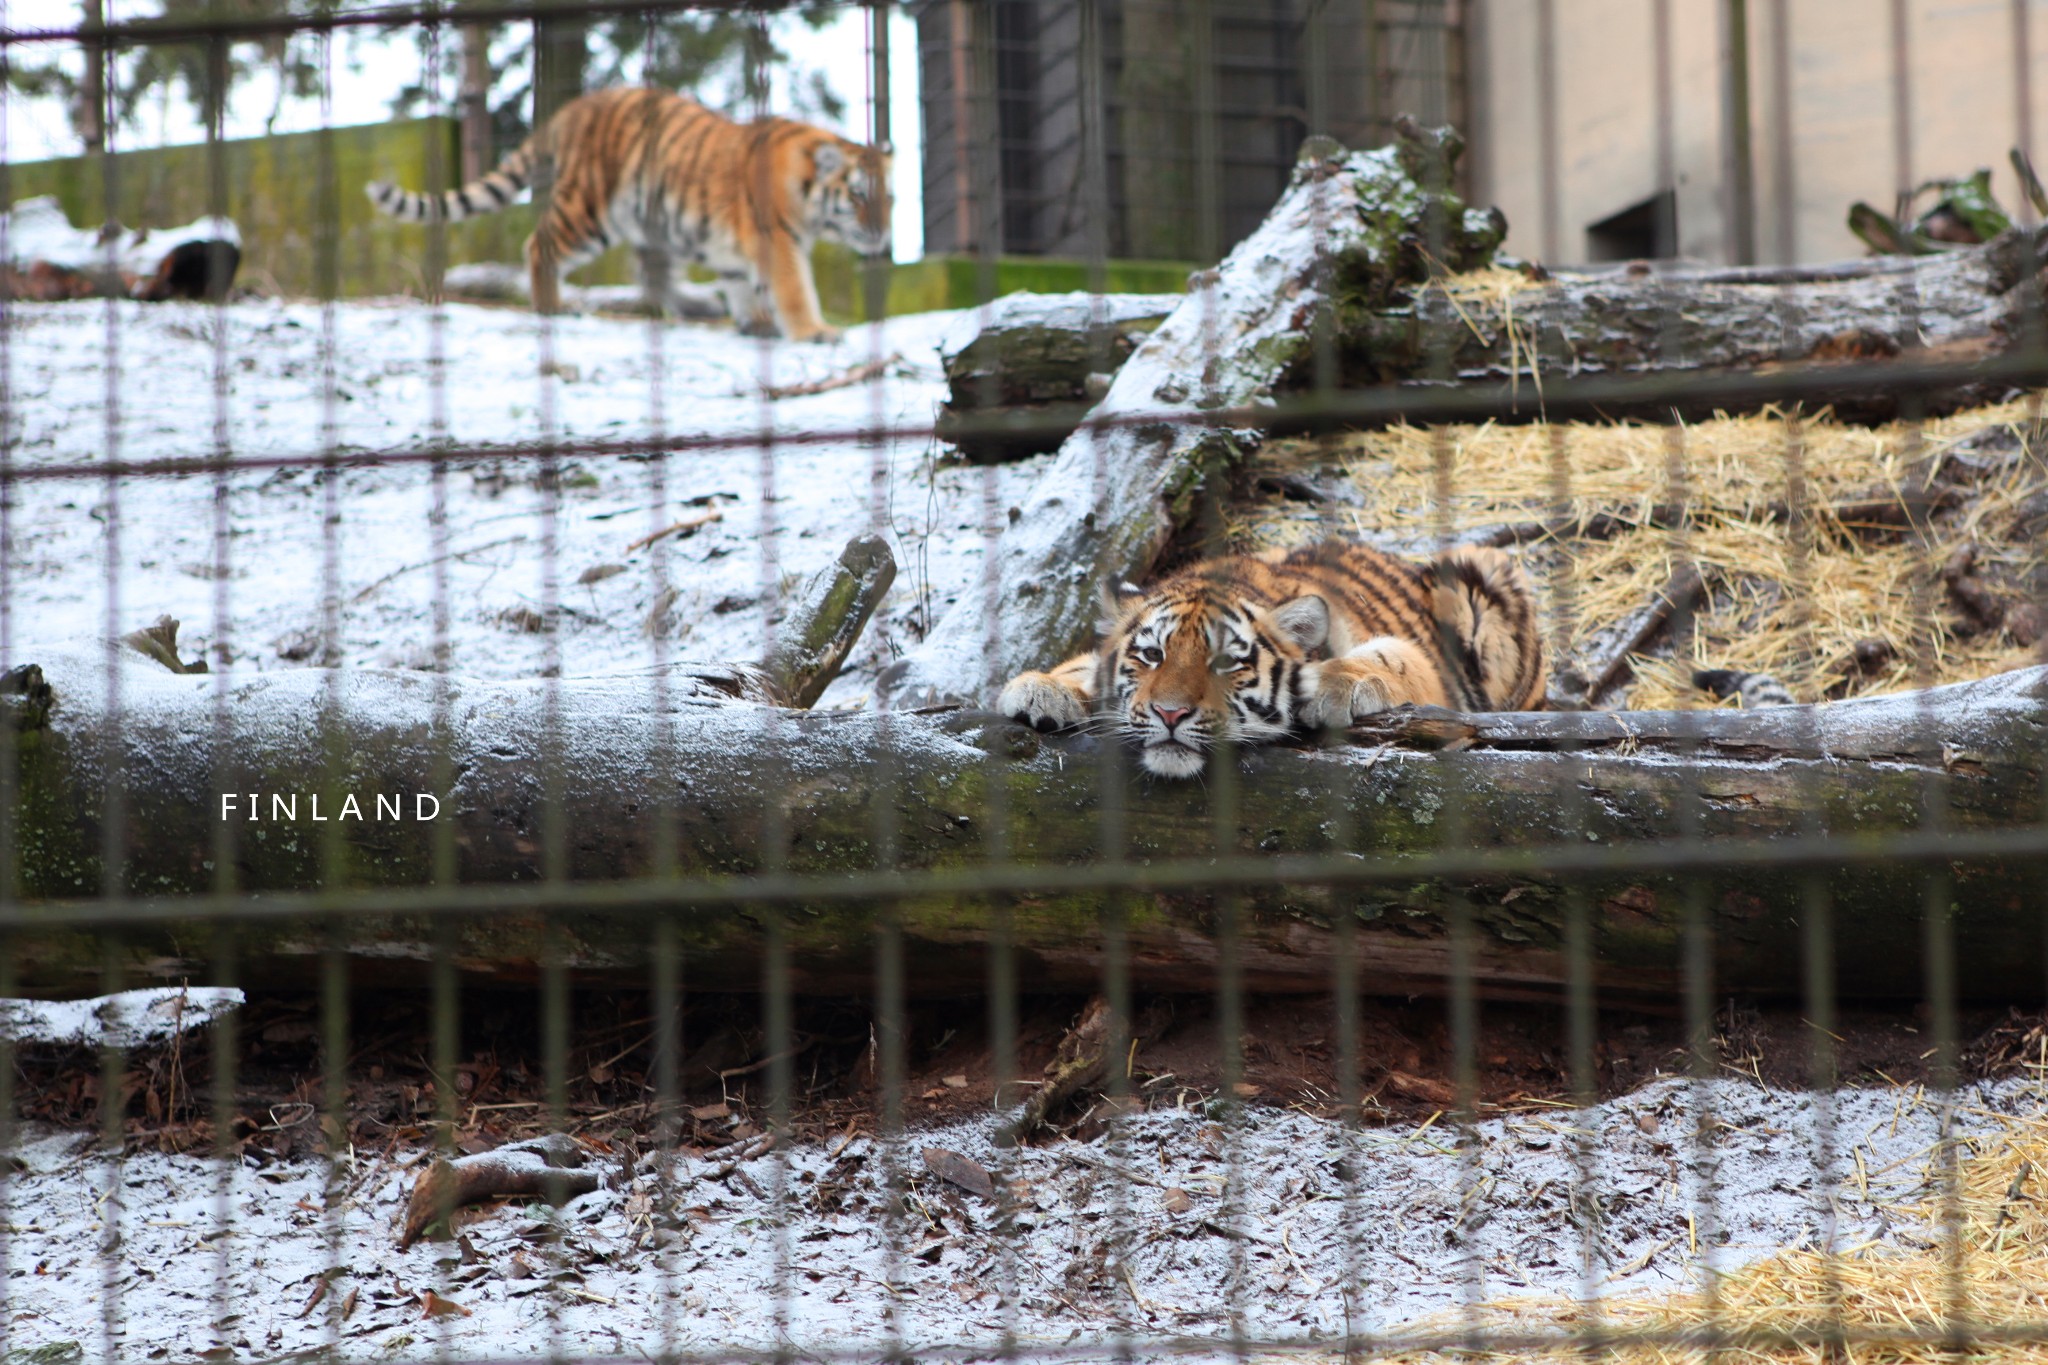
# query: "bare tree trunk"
{"type": "Point", "coordinates": [475, 102]}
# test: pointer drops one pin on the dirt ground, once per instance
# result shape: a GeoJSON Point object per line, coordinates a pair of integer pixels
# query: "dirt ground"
{"type": "Point", "coordinates": [1290, 1059]}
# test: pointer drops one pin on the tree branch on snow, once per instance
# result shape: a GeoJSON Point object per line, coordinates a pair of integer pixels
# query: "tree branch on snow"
{"type": "Point", "coordinates": [548, 1167]}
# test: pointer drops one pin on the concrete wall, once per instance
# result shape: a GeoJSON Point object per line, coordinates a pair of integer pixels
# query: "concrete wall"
{"type": "Point", "coordinates": [1825, 119]}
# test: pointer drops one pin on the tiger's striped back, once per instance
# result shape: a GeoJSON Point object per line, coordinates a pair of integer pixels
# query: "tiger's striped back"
{"type": "Point", "coordinates": [1472, 610]}
{"type": "Point", "coordinates": [682, 184]}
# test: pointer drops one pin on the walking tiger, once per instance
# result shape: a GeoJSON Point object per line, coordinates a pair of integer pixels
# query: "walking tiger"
{"type": "Point", "coordinates": [683, 184]}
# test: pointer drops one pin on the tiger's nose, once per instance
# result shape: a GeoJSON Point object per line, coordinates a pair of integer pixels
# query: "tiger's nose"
{"type": "Point", "coordinates": [1172, 715]}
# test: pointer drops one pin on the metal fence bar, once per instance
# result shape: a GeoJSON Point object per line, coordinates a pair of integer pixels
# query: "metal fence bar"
{"type": "Point", "coordinates": [672, 903]}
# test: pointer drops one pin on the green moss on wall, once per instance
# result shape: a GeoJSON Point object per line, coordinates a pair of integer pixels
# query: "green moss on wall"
{"type": "Point", "coordinates": [307, 227]}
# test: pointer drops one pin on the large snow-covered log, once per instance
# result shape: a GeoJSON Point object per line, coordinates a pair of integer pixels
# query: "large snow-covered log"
{"type": "Point", "coordinates": [806, 799]}
{"type": "Point", "coordinates": [1346, 227]}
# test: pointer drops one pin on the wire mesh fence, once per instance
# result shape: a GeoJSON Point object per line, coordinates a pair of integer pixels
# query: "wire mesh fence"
{"type": "Point", "coordinates": [570, 907]}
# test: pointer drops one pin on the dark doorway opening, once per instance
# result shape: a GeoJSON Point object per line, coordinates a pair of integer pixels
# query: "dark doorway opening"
{"type": "Point", "coordinates": [1642, 232]}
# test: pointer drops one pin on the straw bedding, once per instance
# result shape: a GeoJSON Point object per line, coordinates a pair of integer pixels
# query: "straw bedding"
{"type": "Point", "coordinates": [1968, 1253]}
{"type": "Point", "coordinates": [1790, 596]}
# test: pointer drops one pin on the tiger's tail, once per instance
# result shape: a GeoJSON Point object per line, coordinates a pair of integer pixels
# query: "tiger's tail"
{"type": "Point", "coordinates": [1755, 689]}
{"type": "Point", "coordinates": [486, 194]}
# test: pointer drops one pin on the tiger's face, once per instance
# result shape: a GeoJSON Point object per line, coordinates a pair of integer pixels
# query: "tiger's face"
{"type": "Point", "coordinates": [848, 195]}
{"type": "Point", "coordinates": [1182, 673]}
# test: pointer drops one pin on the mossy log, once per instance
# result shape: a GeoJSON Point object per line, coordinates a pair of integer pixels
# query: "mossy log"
{"type": "Point", "coordinates": [737, 798]}
{"type": "Point", "coordinates": [825, 621]}
{"type": "Point", "coordinates": [1034, 359]}
{"type": "Point", "coordinates": [1039, 352]}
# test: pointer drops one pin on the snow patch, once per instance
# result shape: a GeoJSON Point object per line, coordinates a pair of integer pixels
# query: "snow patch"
{"type": "Point", "coordinates": [127, 1019]}
{"type": "Point", "coordinates": [292, 382]}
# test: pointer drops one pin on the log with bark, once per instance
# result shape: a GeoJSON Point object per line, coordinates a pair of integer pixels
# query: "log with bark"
{"type": "Point", "coordinates": [547, 1167]}
{"type": "Point", "coordinates": [749, 801]}
{"type": "Point", "coordinates": [1037, 354]}
{"type": "Point", "coordinates": [1644, 320]}
{"type": "Point", "coordinates": [49, 260]}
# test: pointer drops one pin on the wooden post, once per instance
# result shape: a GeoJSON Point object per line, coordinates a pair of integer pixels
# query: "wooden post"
{"type": "Point", "coordinates": [92, 102]}
{"type": "Point", "coordinates": [560, 54]}
{"type": "Point", "coordinates": [875, 275]}
{"type": "Point", "coordinates": [959, 20]}
{"type": "Point", "coordinates": [1737, 123]}
{"type": "Point", "coordinates": [474, 102]}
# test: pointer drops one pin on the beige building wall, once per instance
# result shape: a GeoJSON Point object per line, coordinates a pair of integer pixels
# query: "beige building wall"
{"type": "Point", "coordinates": [1823, 114]}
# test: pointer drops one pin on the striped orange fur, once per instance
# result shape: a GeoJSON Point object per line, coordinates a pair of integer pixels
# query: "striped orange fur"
{"type": "Point", "coordinates": [1253, 649]}
{"type": "Point", "coordinates": [682, 184]}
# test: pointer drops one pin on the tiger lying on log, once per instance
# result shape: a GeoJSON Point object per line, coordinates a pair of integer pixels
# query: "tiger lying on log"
{"type": "Point", "coordinates": [683, 185]}
{"type": "Point", "coordinates": [1251, 649]}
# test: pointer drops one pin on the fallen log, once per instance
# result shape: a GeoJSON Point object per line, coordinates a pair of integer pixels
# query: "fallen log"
{"type": "Point", "coordinates": [1962, 306]}
{"type": "Point", "coordinates": [1643, 319]}
{"type": "Point", "coordinates": [547, 1167]}
{"type": "Point", "coordinates": [48, 260]}
{"type": "Point", "coordinates": [1037, 353]}
{"type": "Point", "coordinates": [1507, 821]}
{"type": "Point", "coordinates": [825, 620]}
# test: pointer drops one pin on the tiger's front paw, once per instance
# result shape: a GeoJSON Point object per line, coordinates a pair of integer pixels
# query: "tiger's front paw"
{"type": "Point", "coordinates": [1368, 698]}
{"type": "Point", "coordinates": [1340, 694]}
{"type": "Point", "coordinates": [1038, 701]}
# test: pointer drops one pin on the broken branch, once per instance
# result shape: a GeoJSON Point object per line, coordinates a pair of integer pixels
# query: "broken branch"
{"type": "Point", "coordinates": [846, 379]}
{"type": "Point", "coordinates": [549, 1167]}
{"type": "Point", "coordinates": [687, 526]}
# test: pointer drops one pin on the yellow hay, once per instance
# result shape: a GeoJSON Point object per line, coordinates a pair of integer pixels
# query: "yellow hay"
{"type": "Point", "coordinates": [1970, 1254]}
{"type": "Point", "coordinates": [1789, 602]}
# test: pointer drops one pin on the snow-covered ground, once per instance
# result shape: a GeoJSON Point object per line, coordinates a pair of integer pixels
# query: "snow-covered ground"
{"type": "Point", "coordinates": [1303, 1226]}
{"type": "Point", "coordinates": [92, 381]}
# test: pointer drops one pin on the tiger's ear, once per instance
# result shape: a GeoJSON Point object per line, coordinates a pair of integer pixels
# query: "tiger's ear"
{"type": "Point", "coordinates": [1305, 620]}
{"type": "Point", "coordinates": [1115, 601]}
{"type": "Point", "coordinates": [828, 158]}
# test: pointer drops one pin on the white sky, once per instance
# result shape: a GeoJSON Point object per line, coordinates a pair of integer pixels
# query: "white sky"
{"type": "Point", "coordinates": [368, 70]}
